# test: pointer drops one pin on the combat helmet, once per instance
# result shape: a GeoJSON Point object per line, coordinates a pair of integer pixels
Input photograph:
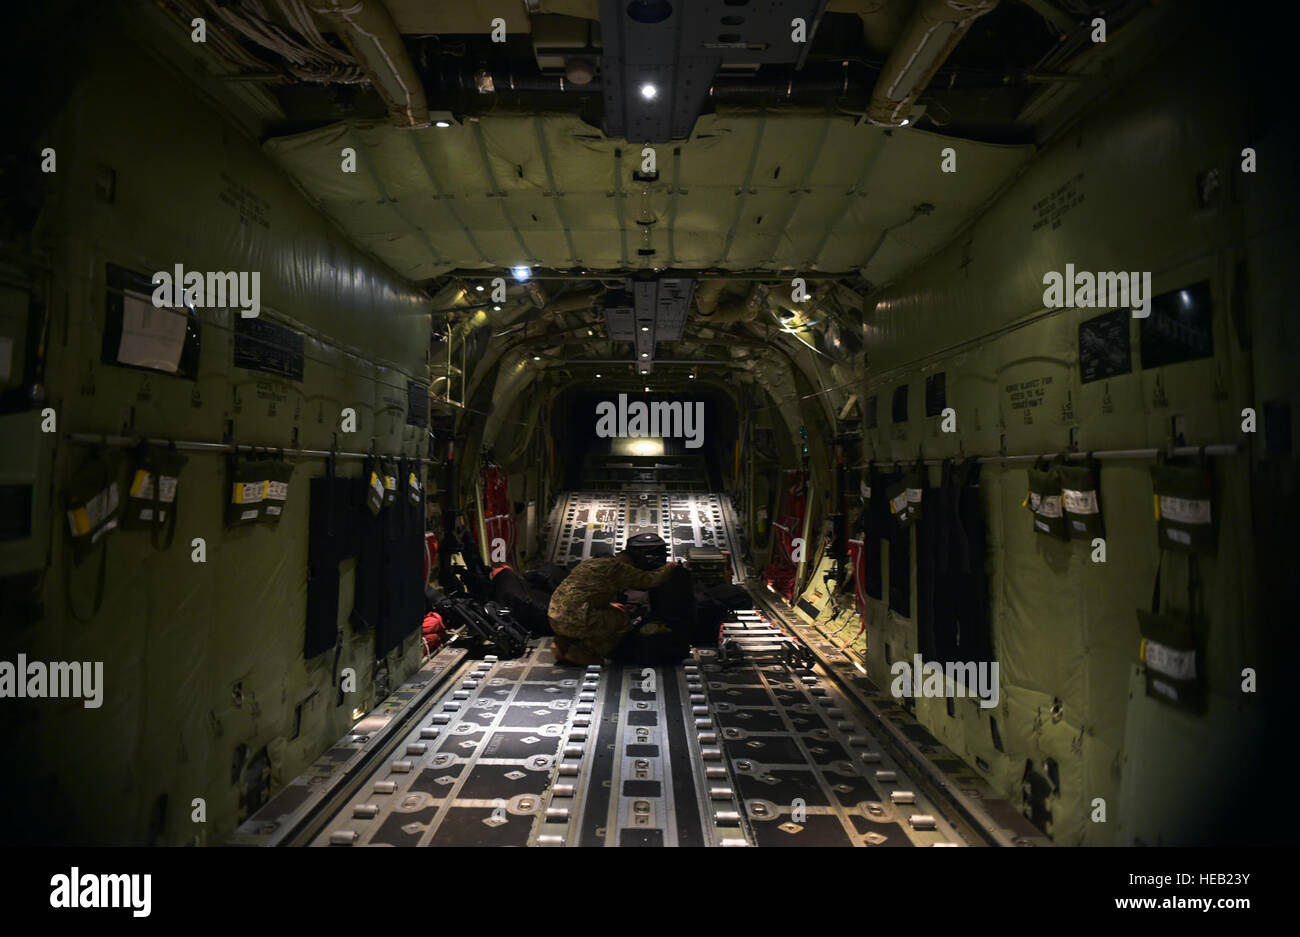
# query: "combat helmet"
{"type": "Point", "coordinates": [647, 551]}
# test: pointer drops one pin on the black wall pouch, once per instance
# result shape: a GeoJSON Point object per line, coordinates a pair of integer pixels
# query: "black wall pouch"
{"type": "Point", "coordinates": [1081, 495]}
{"type": "Point", "coordinates": [93, 502]}
{"type": "Point", "coordinates": [374, 486]}
{"type": "Point", "coordinates": [388, 472]}
{"type": "Point", "coordinates": [1044, 499]}
{"type": "Point", "coordinates": [1170, 650]}
{"type": "Point", "coordinates": [865, 480]}
{"type": "Point", "coordinates": [1184, 498]}
{"type": "Point", "coordinates": [876, 507]}
{"type": "Point", "coordinates": [277, 472]}
{"type": "Point", "coordinates": [410, 470]}
{"type": "Point", "coordinates": [151, 503]}
{"type": "Point", "coordinates": [905, 496]}
{"type": "Point", "coordinates": [248, 485]}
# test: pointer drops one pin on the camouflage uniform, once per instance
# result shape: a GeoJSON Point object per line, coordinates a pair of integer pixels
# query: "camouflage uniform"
{"type": "Point", "coordinates": [580, 609]}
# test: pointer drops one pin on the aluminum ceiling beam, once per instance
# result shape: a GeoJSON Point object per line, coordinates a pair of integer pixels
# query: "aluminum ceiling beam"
{"type": "Point", "coordinates": [657, 314]}
{"type": "Point", "coordinates": [677, 48]}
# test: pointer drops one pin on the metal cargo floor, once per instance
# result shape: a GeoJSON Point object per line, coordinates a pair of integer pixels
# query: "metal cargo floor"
{"type": "Point", "coordinates": [585, 524]}
{"type": "Point", "coordinates": [522, 752]}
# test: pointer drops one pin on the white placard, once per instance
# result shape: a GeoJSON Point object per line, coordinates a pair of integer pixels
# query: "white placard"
{"type": "Point", "coordinates": [151, 337]}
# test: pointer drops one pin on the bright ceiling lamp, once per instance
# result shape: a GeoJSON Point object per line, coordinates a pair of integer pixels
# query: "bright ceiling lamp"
{"type": "Point", "coordinates": [649, 91]}
{"type": "Point", "coordinates": [520, 273]}
{"type": "Point", "coordinates": [632, 445]}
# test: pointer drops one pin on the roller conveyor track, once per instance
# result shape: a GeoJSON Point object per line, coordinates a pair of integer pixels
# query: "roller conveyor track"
{"type": "Point", "coordinates": [527, 753]}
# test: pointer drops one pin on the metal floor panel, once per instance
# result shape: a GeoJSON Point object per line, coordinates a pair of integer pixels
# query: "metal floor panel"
{"type": "Point", "coordinates": [527, 753]}
{"type": "Point", "coordinates": [598, 523]}
{"type": "Point", "coordinates": [968, 796]}
{"type": "Point", "coordinates": [804, 765]}
{"type": "Point", "coordinates": [481, 767]}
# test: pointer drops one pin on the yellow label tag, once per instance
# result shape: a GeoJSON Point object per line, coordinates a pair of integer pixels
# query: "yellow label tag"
{"type": "Point", "coordinates": [1142, 651]}
{"type": "Point", "coordinates": [249, 492]}
{"type": "Point", "coordinates": [1156, 498]}
{"type": "Point", "coordinates": [79, 521]}
{"type": "Point", "coordinates": [138, 483]}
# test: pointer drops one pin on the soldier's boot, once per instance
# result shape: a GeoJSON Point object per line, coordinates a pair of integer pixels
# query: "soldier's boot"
{"type": "Point", "coordinates": [568, 651]}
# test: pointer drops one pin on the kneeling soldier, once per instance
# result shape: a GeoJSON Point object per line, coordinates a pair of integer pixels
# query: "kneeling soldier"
{"type": "Point", "coordinates": [587, 622]}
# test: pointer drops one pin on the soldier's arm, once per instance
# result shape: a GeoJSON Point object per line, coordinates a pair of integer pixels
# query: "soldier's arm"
{"type": "Point", "coordinates": [632, 578]}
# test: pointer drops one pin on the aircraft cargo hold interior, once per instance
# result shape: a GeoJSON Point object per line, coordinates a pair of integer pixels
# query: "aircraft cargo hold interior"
{"type": "Point", "coordinates": [595, 423]}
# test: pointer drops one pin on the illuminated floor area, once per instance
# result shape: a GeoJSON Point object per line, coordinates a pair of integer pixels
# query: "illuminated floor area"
{"type": "Point", "coordinates": [522, 752]}
{"type": "Point", "coordinates": [598, 523]}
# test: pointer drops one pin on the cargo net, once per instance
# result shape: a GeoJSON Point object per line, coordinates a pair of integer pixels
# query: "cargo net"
{"type": "Point", "coordinates": [781, 570]}
{"type": "Point", "coordinates": [498, 515]}
{"type": "Point", "coordinates": [598, 523]}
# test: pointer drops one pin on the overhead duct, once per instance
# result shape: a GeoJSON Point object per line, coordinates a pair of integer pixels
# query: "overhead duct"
{"type": "Point", "coordinates": [371, 36]}
{"type": "Point", "coordinates": [574, 302]}
{"type": "Point", "coordinates": [934, 31]}
{"type": "Point", "coordinates": [740, 310]}
{"type": "Point", "coordinates": [707, 293]}
{"type": "Point", "coordinates": [883, 21]}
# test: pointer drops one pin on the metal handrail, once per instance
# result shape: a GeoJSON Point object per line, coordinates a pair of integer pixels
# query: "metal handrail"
{"type": "Point", "coordinates": [127, 442]}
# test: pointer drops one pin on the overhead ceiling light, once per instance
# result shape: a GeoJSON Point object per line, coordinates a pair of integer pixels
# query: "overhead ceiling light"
{"type": "Point", "coordinates": [904, 122]}
{"type": "Point", "coordinates": [645, 328]}
{"type": "Point", "coordinates": [649, 91]}
{"type": "Point", "coordinates": [521, 273]}
{"type": "Point", "coordinates": [479, 287]}
{"type": "Point", "coordinates": [645, 372]}
{"type": "Point", "coordinates": [597, 374]}
{"type": "Point", "coordinates": [647, 389]}
{"type": "Point", "coordinates": [691, 375]}
{"type": "Point", "coordinates": [645, 354]}
{"type": "Point", "coordinates": [634, 446]}
{"type": "Point", "coordinates": [590, 332]}
{"type": "Point", "coordinates": [442, 123]}
{"type": "Point", "coordinates": [496, 308]}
